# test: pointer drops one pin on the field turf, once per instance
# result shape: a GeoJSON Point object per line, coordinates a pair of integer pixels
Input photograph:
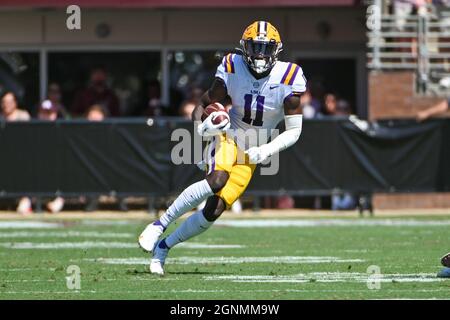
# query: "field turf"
{"type": "Point", "coordinates": [236, 259]}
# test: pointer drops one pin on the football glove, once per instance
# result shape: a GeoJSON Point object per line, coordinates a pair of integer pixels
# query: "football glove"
{"type": "Point", "coordinates": [208, 129]}
{"type": "Point", "coordinates": [281, 142]}
{"type": "Point", "coordinates": [258, 154]}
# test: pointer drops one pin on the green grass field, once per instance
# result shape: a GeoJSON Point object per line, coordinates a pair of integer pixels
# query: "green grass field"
{"type": "Point", "coordinates": [237, 259]}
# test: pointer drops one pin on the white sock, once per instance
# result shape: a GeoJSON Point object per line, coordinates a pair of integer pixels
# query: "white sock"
{"type": "Point", "coordinates": [190, 198]}
{"type": "Point", "coordinates": [194, 225]}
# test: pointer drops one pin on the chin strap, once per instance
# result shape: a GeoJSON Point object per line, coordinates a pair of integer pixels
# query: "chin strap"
{"type": "Point", "coordinates": [288, 137]}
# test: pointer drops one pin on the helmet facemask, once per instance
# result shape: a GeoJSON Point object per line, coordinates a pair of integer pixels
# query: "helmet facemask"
{"type": "Point", "coordinates": [260, 56]}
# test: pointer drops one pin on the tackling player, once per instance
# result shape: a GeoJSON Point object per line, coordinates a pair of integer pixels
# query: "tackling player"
{"type": "Point", "coordinates": [263, 91]}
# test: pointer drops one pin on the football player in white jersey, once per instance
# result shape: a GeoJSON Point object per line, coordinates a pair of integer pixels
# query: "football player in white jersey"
{"type": "Point", "coordinates": [263, 91]}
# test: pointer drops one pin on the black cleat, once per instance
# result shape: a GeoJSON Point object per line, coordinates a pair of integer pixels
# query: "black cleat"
{"type": "Point", "coordinates": [446, 260]}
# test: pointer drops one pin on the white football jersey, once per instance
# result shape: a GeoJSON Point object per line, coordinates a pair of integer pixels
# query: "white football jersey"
{"type": "Point", "coordinates": [258, 104]}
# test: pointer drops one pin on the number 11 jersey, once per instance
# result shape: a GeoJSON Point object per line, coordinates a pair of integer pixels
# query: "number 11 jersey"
{"type": "Point", "coordinates": [258, 103]}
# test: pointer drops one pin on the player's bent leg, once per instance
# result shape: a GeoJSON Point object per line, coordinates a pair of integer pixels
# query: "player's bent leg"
{"type": "Point", "coordinates": [196, 224]}
{"type": "Point", "coordinates": [217, 180]}
{"type": "Point", "coordinates": [234, 185]}
{"type": "Point", "coordinates": [221, 161]}
{"type": "Point", "coordinates": [240, 177]}
{"type": "Point", "coordinates": [214, 208]}
{"type": "Point", "coordinates": [190, 198]}
{"type": "Point", "coordinates": [159, 258]}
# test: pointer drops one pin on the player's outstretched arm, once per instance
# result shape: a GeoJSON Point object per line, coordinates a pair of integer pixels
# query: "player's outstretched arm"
{"type": "Point", "coordinates": [293, 121]}
{"type": "Point", "coordinates": [217, 93]}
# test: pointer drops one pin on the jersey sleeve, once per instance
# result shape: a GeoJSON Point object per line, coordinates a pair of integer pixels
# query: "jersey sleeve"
{"type": "Point", "coordinates": [225, 68]}
{"type": "Point", "coordinates": [294, 80]}
{"type": "Point", "coordinates": [299, 84]}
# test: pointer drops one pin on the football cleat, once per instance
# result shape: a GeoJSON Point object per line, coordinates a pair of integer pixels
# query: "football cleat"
{"type": "Point", "coordinates": [149, 237]}
{"type": "Point", "coordinates": [446, 260]}
{"type": "Point", "coordinates": [159, 257]}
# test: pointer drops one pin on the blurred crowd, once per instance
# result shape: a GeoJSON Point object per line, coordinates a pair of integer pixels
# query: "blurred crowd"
{"type": "Point", "coordinates": [98, 101]}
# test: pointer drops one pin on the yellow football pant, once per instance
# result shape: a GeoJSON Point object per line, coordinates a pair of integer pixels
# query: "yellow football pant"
{"type": "Point", "coordinates": [224, 155]}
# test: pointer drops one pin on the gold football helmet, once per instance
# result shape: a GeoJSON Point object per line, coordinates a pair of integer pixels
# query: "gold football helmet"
{"type": "Point", "coordinates": [261, 45]}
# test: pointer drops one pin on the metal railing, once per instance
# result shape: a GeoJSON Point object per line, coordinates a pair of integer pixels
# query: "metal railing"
{"type": "Point", "coordinates": [417, 41]}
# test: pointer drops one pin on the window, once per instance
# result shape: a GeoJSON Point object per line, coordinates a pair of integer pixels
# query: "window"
{"type": "Point", "coordinates": [128, 75]}
{"type": "Point", "coordinates": [331, 76]}
{"type": "Point", "coordinates": [19, 72]}
{"type": "Point", "coordinates": [190, 70]}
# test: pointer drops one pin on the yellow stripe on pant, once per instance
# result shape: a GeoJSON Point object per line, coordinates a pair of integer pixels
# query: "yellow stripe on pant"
{"type": "Point", "coordinates": [228, 157]}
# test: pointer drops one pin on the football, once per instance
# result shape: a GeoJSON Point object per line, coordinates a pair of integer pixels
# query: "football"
{"type": "Point", "coordinates": [215, 107]}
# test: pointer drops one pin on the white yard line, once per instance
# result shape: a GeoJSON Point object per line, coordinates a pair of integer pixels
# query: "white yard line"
{"type": "Point", "coordinates": [195, 245]}
{"type": "Point", "coordinates": [380, 292]}
{"type": "Point", "coordinates": [229, 260]}
{"type": "Point", "coordinates": [64, 234]}
{"type": "Point", "coordinates": [110, 222]}
{"type": "Point", "coordinates": [25, 269]}
{"type": "Point", "coordinates": [302, 223]}
{"type": "Point", "coordinates": [68, 245]}
{"type": "Point", "coordinates": [29, 225]}
{"type": "Point", "coordinates": [62, 280]}
{"type": "Point", "coordinates": [27, 280]}
{"type": "Point", "coordinates": [328, 277]}
{"type": "Point", "coordinates": [106, 245]}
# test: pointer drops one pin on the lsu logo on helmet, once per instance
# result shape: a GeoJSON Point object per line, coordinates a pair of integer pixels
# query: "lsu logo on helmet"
{"type": "Point", "coordinates": [261, 31]}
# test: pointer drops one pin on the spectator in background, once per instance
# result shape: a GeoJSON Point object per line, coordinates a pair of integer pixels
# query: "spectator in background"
{"type": "Point", "coordinates": [97, 93]}
{"type": "Point", "coordinates": [309, 111]}
{"type": "Point", "coordinates": [438, 109]}
{"type": "Point", "coordinates": [96, 113]}
{"type": "Point", "coordinates": [11, 112]}
{"type": "Point", "coordinates": [342, 108]}
{"type": "Point", "coordinates": [154, 106]}
{"type": "Point", "coordinates": [344, 201]}
{"type": "Point", "coordinates": [334, 106]}
{"type": "Point", "coordinates": [186, 109]}
{"type": "Point", "coordinates": [329, 104]}
{"type": "Point", "coordinates": [55, 97]}
{"type": "Point", "coordinates": [402, 9]}
{"type": "Point", "coordinates": [10, 108]}
{"type": "Point", "coordinates": [190, 103]}
{"type": "Point", "coordinates": [48, 111]}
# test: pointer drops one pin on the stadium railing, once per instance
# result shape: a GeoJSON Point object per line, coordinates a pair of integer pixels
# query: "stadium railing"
{"type": "Point", "coordinates": [419, 42]}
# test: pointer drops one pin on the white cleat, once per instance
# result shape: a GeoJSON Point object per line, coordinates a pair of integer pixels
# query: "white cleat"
{"type": "Point", "coordinates": [159, 257]}
{"type": "Point", "coordinates": [149, 237]}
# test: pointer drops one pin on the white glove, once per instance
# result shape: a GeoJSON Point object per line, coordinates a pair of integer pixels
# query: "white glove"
{"type": "Point", "coordinates": [207, 128]}
{"type": "Point", "coordinates": [202, 165]}
{"type": "Point", "coordinates": [258, 154]}
{"type": "Point", "coordinates": [281, 142]}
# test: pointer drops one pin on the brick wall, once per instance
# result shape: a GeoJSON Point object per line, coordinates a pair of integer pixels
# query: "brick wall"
{"type": "Point", "coordinates": [392, 95]}
{"type": "Point", "coordinates": [411, 201]}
